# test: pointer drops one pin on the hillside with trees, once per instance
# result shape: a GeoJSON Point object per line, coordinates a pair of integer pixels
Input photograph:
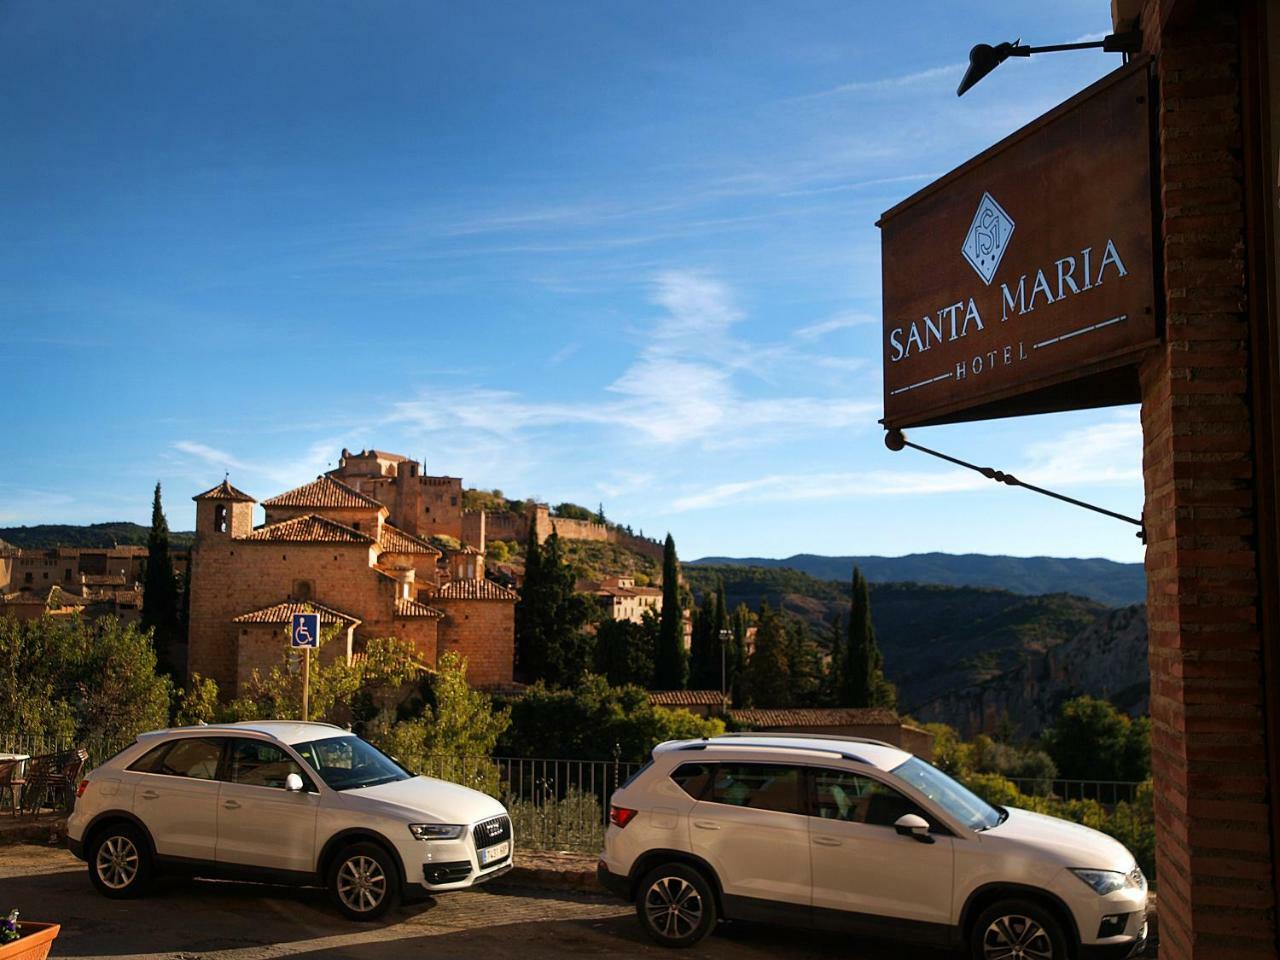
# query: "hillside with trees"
{"type": "Point", "coordinates": [933, 639]}
{"type": "Point", "coordinates": [116, 534]}
{"type": "Point", "coordinates": [1115, 584]}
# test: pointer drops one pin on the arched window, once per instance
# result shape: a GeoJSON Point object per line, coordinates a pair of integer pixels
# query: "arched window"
{"type": "Point", "coordinates": [303, 589]}
{"type": "Point", "coordinates": [220, 518]}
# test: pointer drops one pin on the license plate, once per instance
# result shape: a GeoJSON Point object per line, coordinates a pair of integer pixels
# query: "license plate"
{"type": "Point", "coordinates": [497, 852]}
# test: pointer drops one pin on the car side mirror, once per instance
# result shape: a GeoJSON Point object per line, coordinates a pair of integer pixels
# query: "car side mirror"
{"type": "Point", "coordinates": [914, 826]}
{"type": "Point", "coordinates": [293, 783]}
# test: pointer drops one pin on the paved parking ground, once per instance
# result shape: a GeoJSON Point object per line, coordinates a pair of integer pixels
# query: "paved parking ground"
{"type": "Point", "coordinates": [207, 920]}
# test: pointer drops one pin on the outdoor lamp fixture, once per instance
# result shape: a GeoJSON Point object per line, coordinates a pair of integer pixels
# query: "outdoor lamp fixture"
{"type": "Point", "coordinates": [984, 58]}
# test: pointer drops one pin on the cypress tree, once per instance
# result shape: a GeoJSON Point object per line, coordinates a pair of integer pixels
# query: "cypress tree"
{"type": "Point", "coordinates": [736, 661]}
{"type": "Point", "coordinates": [670, 668]}
{"type": "Point", "coordinates": [863, 683]}
{"type": "Point", "coordinates": [550, 616]}
{"type": "Point", "coordinates": [160, 589]}
{"type": "Point", "coordinates": [531, 652]}
{"type": "Point", "coordinates": [769, 671]}
{"type": "Point", "coordinates": [700, 647]}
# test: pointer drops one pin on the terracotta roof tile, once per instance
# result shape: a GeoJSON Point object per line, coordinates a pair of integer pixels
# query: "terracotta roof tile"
{"type": "Point", "coordinates": [686, 698]}
{"type": "Point", "coordinates": [412, 608]}
{"type": "Point", "coordinates": [475, 590]}
{"type": "Point", "coordinates": [395, 540]}
{"type": "Point", "coordinates": [224, 491]}
{"type": "Point", "coordinates": [323, 491]}
{"type": "Point", "coordinates": [309, 528]}
{"type": "Point", "coordinates": [283, 612]}
{"type": "Point", "coordinates": [817, 717]}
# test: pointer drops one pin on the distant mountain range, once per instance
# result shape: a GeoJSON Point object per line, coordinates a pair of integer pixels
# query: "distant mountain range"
{"type": "Point", "coordinates": [1106, 581]}
{"type": "Point", "coordinates": [120, 533]}
{"type": "Point", "coordinates": [937, 640]}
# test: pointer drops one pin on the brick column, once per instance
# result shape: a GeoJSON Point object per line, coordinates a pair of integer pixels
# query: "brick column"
{"type": "Point", "coordinates": [1214, 854]}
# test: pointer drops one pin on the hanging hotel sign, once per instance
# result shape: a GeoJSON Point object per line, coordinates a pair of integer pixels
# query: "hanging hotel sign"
{"type": "Point", "coordinates": [1022, 281]}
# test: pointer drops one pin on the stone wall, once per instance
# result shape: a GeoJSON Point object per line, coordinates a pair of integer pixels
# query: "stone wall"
{"type": "Point", "coordinates": [483, 631]}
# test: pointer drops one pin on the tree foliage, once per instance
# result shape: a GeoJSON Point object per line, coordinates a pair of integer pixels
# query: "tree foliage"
{"type": "Point", "coordinates": [572, 511]}
{"type": "Point", "coordinates": [1092, 740]}
{"type": "Point", "coordinates": [161, 613]}
{"type": "Point", "coordinates": [862, 681]}
{"type": "Point", "coordinates": [596, 721]}
{"type": "Point", "coordinates": [459, 727]}
{"type": "Point", "coordinates": [550, 616]}
{"type": "Point", "coordinates": [671, 667]}
{"type": "Point", "coordinates": [769, 670]}
{"type": "Point", "coordinates": [624, 650]}
{"type": "Point", "coordinates": [68, 678]}
{"type": "Point", "coordinates": [710, 621]}
{"type": "Point", "coordinates": [340, 692]}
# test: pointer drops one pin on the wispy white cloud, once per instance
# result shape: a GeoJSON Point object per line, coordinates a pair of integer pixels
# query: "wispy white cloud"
{"type": "Point", "coordinates": [841, 321]}
{"type": "Point", "coordinates": [1103, 454]}
{"type": "Point", "coordinates": [917, 78]}
{"type": "Point", "coordinates": [679, 389]}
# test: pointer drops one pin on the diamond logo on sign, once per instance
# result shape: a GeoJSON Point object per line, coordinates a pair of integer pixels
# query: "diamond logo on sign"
{"type": "Point", "coordinates": [988, 238]}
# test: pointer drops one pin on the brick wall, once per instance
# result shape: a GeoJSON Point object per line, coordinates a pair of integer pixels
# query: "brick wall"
{"type": "Point", "coordinates": [1209, 753]}
{"type": "Point", "coordinates": [232, 577]}
{"type": "Point", "coordinates": [483, 631]}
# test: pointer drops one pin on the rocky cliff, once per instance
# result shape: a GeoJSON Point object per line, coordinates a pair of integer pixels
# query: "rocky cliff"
{"type": "Point", "coordinates": [1107, 659]}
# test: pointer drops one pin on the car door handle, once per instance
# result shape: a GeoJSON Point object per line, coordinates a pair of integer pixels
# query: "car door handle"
{"type": "Point", "coordinates": [827, 841]}
{"type": "Point", "coordinates": [706, 825]}
{"type": "Point", "coordinates": [150, 795]}
{"type": "Point", "coordinates": [231, 805]}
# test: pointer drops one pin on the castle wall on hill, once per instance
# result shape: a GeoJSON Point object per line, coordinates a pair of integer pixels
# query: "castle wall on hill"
{"type": "Point", "coordinates": [484, 526]}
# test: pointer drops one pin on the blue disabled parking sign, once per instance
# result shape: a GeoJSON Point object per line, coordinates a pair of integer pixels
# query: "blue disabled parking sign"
{"type": "Point", "coordinates": [306, 630]}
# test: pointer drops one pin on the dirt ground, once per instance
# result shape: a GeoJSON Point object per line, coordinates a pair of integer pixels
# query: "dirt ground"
{"type": "Point", "coordinates": [210, 920]}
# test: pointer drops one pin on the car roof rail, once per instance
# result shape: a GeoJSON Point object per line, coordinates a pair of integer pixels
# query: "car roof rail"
{"type": "Point", "coordinates": [843, 754]}
{"type": "Point", "coordinates": [783, 735]}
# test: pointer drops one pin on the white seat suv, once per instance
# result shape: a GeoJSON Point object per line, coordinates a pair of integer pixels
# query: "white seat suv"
{"type": "Point", "coordinates": [305, 803]}
{"type": "Point", "coordinates": [859, 836]}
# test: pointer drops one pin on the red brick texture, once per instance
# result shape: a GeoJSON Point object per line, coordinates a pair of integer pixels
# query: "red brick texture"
{"type": "Point", "coordinates": [1214, 853]}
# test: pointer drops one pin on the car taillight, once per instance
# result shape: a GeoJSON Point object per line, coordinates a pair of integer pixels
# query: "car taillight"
{"type": "Point", "coordinates": [81, 787]}
{"type": "Point", "coordinates": [621, 816]}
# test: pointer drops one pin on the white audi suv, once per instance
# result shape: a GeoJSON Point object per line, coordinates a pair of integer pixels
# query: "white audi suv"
{"type": "Point", "coordinates": [857, 835]}
{"type": "Point", "coordinates": [306, 803]}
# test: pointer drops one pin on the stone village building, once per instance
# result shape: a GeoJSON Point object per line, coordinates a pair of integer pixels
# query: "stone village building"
{"type": "Point", "coordinates": [330, 547]}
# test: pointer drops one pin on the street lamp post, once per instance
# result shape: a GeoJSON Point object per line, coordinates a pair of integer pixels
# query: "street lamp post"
{"type": "Point", "coordinates": [725, 636]}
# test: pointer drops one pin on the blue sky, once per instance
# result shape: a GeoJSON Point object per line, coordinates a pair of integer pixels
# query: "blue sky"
{"type": "Point", "coordinates": [599, 251]}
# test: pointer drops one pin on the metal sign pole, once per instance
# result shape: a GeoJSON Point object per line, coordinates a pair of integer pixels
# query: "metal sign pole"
{"type": "Point", "coordinates": [306, 681]}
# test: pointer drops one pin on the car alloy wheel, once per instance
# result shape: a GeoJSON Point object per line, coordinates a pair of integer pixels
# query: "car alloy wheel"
{"type": "Point", "coordinates": [117, 862]}
{"type": "Point", "coordinates": [1015, 937]}
{"type": "Point", "coordinates": [673, 907]}
{"type": "Point", "coordinates": [362, 884]}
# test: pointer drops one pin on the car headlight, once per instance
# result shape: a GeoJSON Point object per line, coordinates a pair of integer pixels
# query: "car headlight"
{"type": "Point", "coordinates": [1102, 882]}
{"type": "Point", "coordinates": [436, 831]}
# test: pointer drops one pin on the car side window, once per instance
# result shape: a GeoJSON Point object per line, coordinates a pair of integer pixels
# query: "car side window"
{"type": "Point", "coordinates": [258, 764]}
{"type": "Point", "coordinates": [841, 795]}
{"type": "Point", "coordinates": [195, 758]}
{"type": "Point", "coordinates": [693, 778]}
{"type": "Point", "coordinates": [761, 786]}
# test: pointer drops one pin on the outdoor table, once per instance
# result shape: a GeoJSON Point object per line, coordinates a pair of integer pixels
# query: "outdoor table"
{"type": "Point", "coordinates": [22, 759]}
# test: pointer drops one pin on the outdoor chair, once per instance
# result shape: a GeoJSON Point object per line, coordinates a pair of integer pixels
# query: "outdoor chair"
{"type": "Point", "coordinates": [39, 775]}
{"type": "Point", "coordinates": [52, 779]}
{"type": "Point", "coordinates": [11, 783]}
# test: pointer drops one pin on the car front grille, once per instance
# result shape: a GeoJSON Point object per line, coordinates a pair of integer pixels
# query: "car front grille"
{"type": "Point", "coordinates": [490, 832]}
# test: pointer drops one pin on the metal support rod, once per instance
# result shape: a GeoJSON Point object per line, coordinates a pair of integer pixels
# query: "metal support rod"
{"type": "Point", "coordinates": [895, 440]}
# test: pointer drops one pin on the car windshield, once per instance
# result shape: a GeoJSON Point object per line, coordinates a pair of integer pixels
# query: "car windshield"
{"type": "Point", "coordinates": [959, 801]}
{"type": "Point", "coordinates": [347, 763]}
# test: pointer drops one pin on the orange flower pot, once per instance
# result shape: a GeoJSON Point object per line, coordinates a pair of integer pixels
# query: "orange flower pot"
{"type": "Point", "coordinates": [34, 943]}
